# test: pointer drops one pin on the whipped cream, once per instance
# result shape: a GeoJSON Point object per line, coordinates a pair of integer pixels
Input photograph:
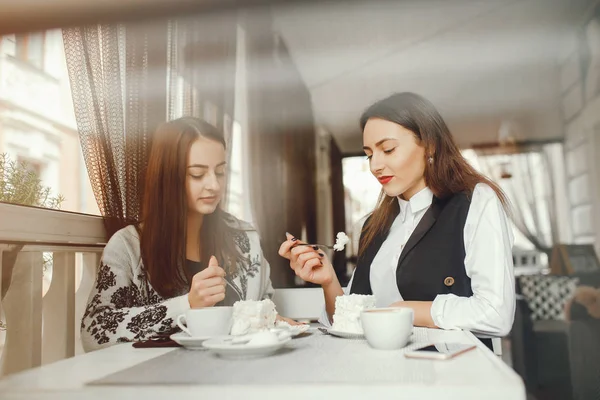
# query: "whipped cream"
{"type": "Point", "coordinates": [347, 312]}
{"type": "Point", "coordinates": [341, 240]}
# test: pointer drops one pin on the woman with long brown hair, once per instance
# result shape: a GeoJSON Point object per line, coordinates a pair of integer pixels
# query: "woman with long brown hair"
{"type": "Point", "coordinates": [186, 252]}
{"type": "Point", "coordinates": [439, 240]}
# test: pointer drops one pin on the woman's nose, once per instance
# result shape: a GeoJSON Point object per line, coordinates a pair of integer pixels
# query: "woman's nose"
{"type": "Point", "coordinates": [213, 183]}
{"type": "Point", "coordinates": [375, 165]}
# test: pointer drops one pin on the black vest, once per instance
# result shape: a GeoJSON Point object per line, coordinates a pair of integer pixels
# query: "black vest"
{"type": "Point", "coordinates": [433, 259]}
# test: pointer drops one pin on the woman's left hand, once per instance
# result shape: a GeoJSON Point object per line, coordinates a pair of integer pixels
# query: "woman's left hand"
{"type": "Point", "coordinates": [288, 320]}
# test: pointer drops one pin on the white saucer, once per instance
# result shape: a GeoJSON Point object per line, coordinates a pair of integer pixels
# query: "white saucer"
{"type": "Point", "coordinates": [293, 330]}
{"type": "Point", "coordinates": [192, 343]}
{"type": "Point", "coordinates": [224, 347]}
{"type": "Point", "coordinates": [346, 335]}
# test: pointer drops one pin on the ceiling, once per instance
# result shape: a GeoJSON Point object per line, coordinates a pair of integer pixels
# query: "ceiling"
{"type": "Point", "coordinates": [479, 61]}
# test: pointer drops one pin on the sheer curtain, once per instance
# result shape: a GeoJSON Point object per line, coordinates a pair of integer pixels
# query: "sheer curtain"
{"type": "Point", "coordinates": [282, 146]}
{"type": "Point", "coordinates": [126, 79]}
{"type": "Point", "coordinates": [527, 178]}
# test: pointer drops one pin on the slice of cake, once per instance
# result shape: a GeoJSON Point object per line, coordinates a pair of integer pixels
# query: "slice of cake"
{"type": "Point", "coordinates": [250, 316]}
{"type": "Point", "coordinates": [347, 312]}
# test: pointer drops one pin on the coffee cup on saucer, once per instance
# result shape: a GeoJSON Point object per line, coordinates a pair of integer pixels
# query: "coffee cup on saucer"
{"type": "Point", "coordinates": [387, 328]}
{"type": "Point", "coordinates": [206, 322]}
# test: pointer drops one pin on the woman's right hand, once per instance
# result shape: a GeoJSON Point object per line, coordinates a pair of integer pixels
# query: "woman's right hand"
{"type": "Point", "coordinates": [309, 263]}
{"type": "Point", "coordinates": [208, 286]}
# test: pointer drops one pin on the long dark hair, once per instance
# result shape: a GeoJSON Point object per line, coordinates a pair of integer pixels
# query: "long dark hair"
{"type": "Point", "coordinates": [449, 173]}
{"type": "Point", "coordinates": [164, 210]}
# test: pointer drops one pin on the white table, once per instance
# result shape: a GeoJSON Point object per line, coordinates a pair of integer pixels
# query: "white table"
{"type": "Point", "coordinates": [478, 374]}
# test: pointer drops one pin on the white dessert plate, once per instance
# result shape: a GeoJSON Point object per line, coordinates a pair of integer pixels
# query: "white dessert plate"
{"type": "Point", "coordinates": [346, 335]}
{"type": "Point", "coordinates": [227, 348]}
{"type": "Point", "coordinates": [293, 330]}
{"type": "Point", "coordinates": [192, 343]}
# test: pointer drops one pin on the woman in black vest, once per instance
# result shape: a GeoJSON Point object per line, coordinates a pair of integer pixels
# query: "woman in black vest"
{"type": "Point", "coordinates": [438, 241]}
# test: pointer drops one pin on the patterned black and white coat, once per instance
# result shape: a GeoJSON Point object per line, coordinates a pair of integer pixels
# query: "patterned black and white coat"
{"type": "Point", "coordinates": [123, 306]}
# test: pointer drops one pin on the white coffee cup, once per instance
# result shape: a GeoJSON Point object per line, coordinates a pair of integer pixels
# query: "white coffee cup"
{"type": "Point", "coordinates": [206, 322]}
{"type": "Point", "coordinates": [387, 328]}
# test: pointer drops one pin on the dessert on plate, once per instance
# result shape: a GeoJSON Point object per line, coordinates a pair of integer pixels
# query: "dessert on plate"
{"type": "Point", "coordinates": [347, 312]}
{"type": "Point", "coordinates": [250, 316]}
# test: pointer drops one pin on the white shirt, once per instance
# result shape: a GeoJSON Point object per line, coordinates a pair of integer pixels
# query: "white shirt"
{"type": "Point", "coordinates": [488, 242]}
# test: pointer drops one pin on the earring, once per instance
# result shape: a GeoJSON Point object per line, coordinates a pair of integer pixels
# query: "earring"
{"type": "Point", "coordinates": [430, 159]}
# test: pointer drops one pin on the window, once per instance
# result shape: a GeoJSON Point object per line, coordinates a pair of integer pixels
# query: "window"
{"type": "Point", "coordinates": [33, 166]}
{"type": "Point", "coordinates": [38, 122]}
{"type": "Point", "coordinates": [238, 196]}
{"type": "Point", "coordinates": [235, 198]}
{"type": "Point", "coordinates": [30, 48]}
{"type": "Point", "coordinates": [361, 194]}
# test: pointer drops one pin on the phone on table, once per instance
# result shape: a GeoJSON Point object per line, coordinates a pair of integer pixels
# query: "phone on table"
{"type": "Point", "coordinates": [439, 351]}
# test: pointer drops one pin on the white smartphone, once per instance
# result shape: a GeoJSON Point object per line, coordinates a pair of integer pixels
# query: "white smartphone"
{"type": "Point", "coordinates": [439, 351]}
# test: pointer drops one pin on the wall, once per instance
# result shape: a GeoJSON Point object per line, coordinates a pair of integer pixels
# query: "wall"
{"type": "Point", "coordinates": [581, 115]}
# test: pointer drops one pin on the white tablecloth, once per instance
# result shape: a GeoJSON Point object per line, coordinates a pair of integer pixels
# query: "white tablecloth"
{"type": "Point", "coordinates": [317, 366]}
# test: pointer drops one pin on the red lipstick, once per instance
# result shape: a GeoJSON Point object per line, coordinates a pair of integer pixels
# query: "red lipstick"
{"type": "Point", "coordinates": [384, 179]}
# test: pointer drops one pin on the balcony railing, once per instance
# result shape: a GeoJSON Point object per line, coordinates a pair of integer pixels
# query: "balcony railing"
{"type": "Point", "coordinates": [41, 322]}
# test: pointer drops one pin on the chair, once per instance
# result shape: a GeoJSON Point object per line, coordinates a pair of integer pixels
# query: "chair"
{"type": "Point", "coordinates": [557, 358]}
{"type": "Point", "coordinates": [305, 304]}
{"type": "Point", "coordinates": [496, 343]}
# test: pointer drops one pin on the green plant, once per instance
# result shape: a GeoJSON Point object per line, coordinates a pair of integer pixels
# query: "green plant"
{"type": "Point", "coordinates": [20, 185]}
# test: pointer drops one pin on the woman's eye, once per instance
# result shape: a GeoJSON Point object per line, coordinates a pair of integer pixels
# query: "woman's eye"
{"type": "Point", "coordinates": [369, 157]}
{"type": "Point", "coordinates": [220, 173]}
{"type": "Point", "coordinates": [389, 151]}
{"type": "Point", "coordinates": [197, 176]}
